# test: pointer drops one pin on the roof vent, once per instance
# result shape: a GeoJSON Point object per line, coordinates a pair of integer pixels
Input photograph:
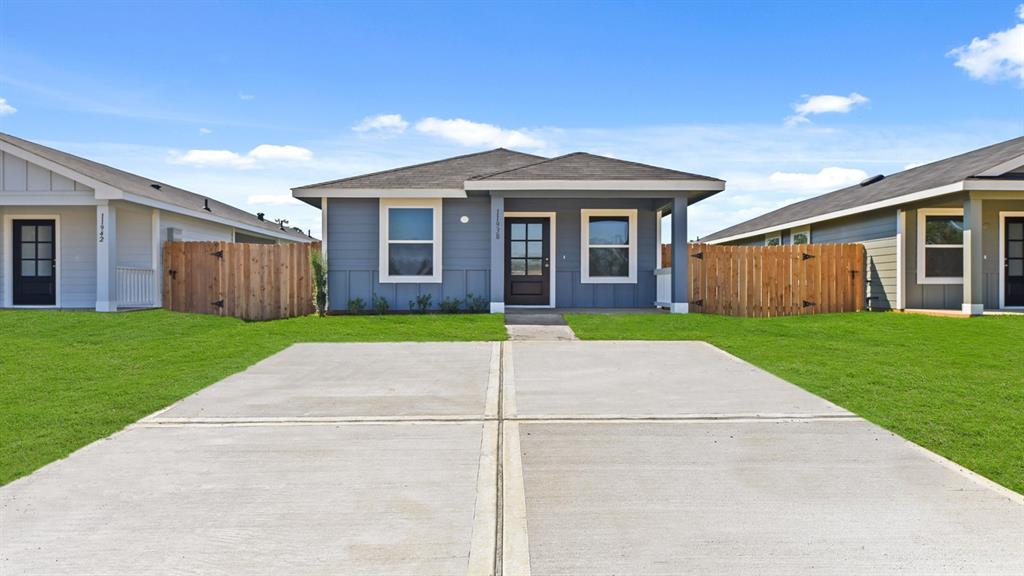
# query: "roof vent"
{"type": "Point", "coordinates": [872, 180]}
{"type": "Point", "coordinates": [259, 216]}
{"type": "Point", "coordinates": [206, 204]}
{"type": "Point", "coordinates": [154, 186]}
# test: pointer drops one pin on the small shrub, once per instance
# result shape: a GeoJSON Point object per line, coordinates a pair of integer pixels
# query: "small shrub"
{"type": "Point", "coordinates": [477, 303]}
{"type": "Point", "coordinates": [357, 306]}
{"type": "Point", "coordinates": [451, 305]}
{"type": "Point", "coordinates": [319, 266]}
{"type": "Point", "coordinates": [420, 304]}
{"type": "Point", "coordinates": [380, 304]}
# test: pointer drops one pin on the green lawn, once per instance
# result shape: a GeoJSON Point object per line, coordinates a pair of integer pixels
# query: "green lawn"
{"type": "Point", "coordinates": [69, 378]}
{"type": "Point", "coordinates": [952, 385]}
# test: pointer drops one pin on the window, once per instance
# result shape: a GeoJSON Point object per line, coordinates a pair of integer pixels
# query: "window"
{"type": "Point", "coordinates": [800, 235]}
{"type": "Point", "coordinates": [410, 247]}
{"type": "Point", "coordinates": [940, 242]}
{"type": "Point", "coordinates": [608, 242]}
{"type": "Point", "coordinates": [773, 239]}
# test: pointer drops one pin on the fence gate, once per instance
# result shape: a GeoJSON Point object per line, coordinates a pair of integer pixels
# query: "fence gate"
{"type": "Point", "coordinates": [776, 280]}
{"type": "Point", "coordinates": [249, 281]}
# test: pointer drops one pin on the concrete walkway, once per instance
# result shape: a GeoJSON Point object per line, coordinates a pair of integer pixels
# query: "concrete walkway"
{"type": "Point", "coordinates": [543, 458]}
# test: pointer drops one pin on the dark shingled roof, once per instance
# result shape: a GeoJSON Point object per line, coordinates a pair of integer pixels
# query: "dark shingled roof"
{"type": "Point", "coordinates": [447, 173]}
{"type": "Point", "coordinates": [135, 184]}
{"type": "Point", "coordinates": [584, 166]}
{"type": "Point", "coordinates": [940, 173]}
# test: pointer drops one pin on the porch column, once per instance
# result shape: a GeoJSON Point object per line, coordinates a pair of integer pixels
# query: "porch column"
{"type": "Point", "coordinates": [157, 259]}
{"type": "Point", "coordinates": [901, 259]}
{"type": "Point", "coordinates": [106, 258]}
{"type": "Point", "coordinates": [680, 257]}
{"type": "Point", "coordinates": [974, 278]}
{"type": "Point", "coordinates": [497, 254]}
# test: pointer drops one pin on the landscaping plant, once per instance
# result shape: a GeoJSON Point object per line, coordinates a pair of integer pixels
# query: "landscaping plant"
{"type": "Point", "coordinates": [477, 303]}
{"type": "Point", "coordinates": [356, 306]}
{"type": "Point", "coordinates": [380, 304]}
{"type": "Point", "coordinates": [319, 266]}
{"type": "Point", "coordinates": [420, 304]}
{"type": "Point", "coordinates": [451, 305]}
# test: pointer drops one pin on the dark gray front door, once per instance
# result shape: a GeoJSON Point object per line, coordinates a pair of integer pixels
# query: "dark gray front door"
{"type": "Point", "coordinates": [1013, 266]}
{"type": "Point", "coordinates": [35, 263]}
{"type": "Point", "coordinates": [527, 263]}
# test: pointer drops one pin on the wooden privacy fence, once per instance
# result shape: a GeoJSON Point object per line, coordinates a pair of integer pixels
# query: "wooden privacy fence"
{"type": "Point", "coordinates": [776, 280]}
{"type": "Point", "coordinates": [249, 281]}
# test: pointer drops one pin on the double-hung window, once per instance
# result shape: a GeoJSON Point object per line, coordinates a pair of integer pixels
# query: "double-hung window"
{"type": "Point", "coordinates": [608, 242]}
{"type": "Point", "coordinates": [940, 242]}
{"type": "Point", "coordinates": [801, 235]}
{"type": "Point", "coordinates": [773, 239]}
{"type": "Point", "coordinates": [410, 240]}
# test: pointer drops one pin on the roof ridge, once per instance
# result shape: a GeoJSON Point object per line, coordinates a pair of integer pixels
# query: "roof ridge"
{"type": "Point", "coordinates": [544, 161]}
{"type": "Point", "coordinates": [641, 164]}
{"type": "Point", "coordinates": [421, 164]}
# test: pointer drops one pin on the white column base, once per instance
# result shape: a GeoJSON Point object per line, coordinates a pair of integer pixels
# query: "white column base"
{"type": "Point", "coordinates": [497, 307]}
{"type": "Point", "coordinates": [973, 309]}
{"type": "Point", "coordinates": [106, 306]}
{"type": "Point", "coordinates": [680, 308]}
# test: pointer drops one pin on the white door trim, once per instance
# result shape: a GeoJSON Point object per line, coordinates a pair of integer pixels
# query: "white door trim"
{"type": "Point", "coordinates": [1002, 256]}
{"type": "Point", "coordinates": [9, 256]}
{"type": "Point", "coordinates": [551, 216]}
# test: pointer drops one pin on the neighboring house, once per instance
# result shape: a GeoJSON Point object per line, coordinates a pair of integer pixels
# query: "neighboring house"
{"type": "Point", "coordinates": [516, 229]}
{"type": "Point", "coordinates": [79, 234]}
{"type": "Point", "coordinates": [946, 236]}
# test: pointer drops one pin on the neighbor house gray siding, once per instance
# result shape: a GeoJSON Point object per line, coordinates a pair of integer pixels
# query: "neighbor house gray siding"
{"type": "Point", "coordinates": [353, 243]}
{"type": "Point", "coordinates": [569, 292]}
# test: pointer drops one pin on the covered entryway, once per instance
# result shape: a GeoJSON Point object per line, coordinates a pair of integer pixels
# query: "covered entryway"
{"type": "Point", "coordinates": [528, 260]}
{"type": "Point", "coordinates": [35, 263]}
{"type": "Point", "coordinates": [1013, 261]}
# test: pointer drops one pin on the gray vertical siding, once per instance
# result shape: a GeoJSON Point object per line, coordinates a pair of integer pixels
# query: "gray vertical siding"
{"type": "Point", "coordinates": [353, 239]}
{"type": "Point", "coordinates": [353, 242]}
{"type": "Point", "coordinates": [569, 291]}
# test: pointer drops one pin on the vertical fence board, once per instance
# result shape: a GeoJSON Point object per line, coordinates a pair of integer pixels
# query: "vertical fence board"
{"type": "Point", "coordinates": [254, 282]}
{"type": "Point", "coordinates": [776, 280]}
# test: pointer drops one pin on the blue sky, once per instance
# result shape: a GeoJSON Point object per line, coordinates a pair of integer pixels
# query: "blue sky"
{"type": "Point", "coordinates": [242, 101]}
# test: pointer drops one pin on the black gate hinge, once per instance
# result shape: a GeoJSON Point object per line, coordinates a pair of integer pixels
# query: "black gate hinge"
{"type": "Point", "coordinates": [698, 255]}
{"type": "Point", "coordinates": [218, 303]}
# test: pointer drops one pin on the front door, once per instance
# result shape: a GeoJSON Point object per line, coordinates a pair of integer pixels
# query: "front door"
{"type": "Point", "coordinates": [35, 263]}
{"type": "Point", "coordinates": [1013, 266]}
{"type": "Point", "coordinates": [527, 263]}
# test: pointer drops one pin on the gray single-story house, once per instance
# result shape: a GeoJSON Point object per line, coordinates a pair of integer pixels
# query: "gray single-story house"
{"type": "Point", "coordinates": [79, 234]}
{"type": "Point", "coordinates": [576, 231]}
{"type": "Point", "coordinates": [944, 236]}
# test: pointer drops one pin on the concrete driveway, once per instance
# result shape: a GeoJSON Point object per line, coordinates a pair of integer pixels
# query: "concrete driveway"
{"type": "Point", "coordinates": [524, 458]}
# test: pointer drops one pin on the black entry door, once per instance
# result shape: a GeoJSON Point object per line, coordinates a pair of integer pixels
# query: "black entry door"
{"type": "Point", "coordinates": [527, 264]}
{"type": "Point", "coordinates": [1014, 264]}
{"type": "Point", "coordinates": [35, 263]}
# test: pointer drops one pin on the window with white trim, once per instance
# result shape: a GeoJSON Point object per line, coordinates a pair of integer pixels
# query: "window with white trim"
{"type": "Point", "coordinates": [801, 235]}
{"type": "Point", "coordinates": [608, 242]}
{"type": "Point", "coordinates": [410, 240]}
{"type": "Point", "coordinates": [773, 239]}
{"type": "Point", "coordinates": [940, 241]}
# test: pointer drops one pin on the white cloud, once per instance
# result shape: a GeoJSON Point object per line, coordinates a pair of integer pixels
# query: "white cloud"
{"type": "Point", "coordinates": [998, 57]}
{"type": "Point", "coordinates": [284, 153]}
{"type": "Point", "coordinates": [272, 199]}
{"type": "Point", "coordinates": [242, 96]}
{"type": "Point", "coordinates": [205, 131]}
{"type": "Point", "coordinates": [389, 123]}
{"type": "Point", "coordinates": [826, 179]}
{"type": "Point", "coordinates": [5, 108]}
{"type": "Point", "coordinates": [262, 154]}
{"type": "Point", "coordinates": [914, 165]}
{"type": "Point", "coordinates": [824, 104]}
{"type": "Point", "coordinates": [470, 133]}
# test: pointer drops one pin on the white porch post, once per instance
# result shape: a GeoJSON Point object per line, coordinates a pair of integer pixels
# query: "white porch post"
{"type": "Point", "coordinates": [158, 259]}
{"type": "Point", "coordinates": [901, 258]}
{"type": "Point", "coordinates": [680, 257]}
{"type": "Point", "coordinates": [497, 254]}
{"type": "Point", "coordinates": [106, 258]}
{"type": "Point", "coordinates": [974, 279]}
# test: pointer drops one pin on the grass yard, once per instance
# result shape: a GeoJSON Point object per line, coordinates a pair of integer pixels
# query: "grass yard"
{"type": "Point", "coordinates": [952, 385]}
{"type": "Point", "coordinates": [69, 378]}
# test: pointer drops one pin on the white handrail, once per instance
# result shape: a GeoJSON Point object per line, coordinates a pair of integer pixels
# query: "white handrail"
{"type": "Point", "coordinates": [136, 287]}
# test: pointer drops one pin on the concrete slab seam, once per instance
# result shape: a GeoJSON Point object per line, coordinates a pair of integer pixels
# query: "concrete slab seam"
{"type": "Point", "coordinates": [508, 382]}
{"type": "Point", "coordinates": [515, 541]}
{"type": "Point", "coordinates": [493, 382]}
{"type": "Point", "coordinates": [483, 544]}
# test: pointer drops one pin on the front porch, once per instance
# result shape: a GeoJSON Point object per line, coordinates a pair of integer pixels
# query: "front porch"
{"type": "Point", "coordinates": [104, 256]}
{"type": "Point", "coordinates": [962, 255]}
{"type": "Point", "coordinates": [562, 251]}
